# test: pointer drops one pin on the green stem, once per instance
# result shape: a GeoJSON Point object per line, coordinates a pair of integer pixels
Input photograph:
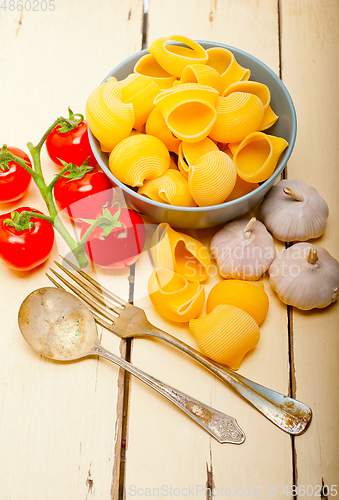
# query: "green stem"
{"type": "Point", "coordinates": [38, 216]}
{"type": "Point", "coordinates": [56, 178]}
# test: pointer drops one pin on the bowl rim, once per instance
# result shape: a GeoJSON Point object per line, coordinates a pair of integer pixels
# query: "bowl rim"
{"type": "Point", "coordinates": [242, 199]}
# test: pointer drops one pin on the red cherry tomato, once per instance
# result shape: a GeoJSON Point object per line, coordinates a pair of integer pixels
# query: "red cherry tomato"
{"type": "Point", "coordinates": [27, 249]}
{"type": "Point", "coordinates": [15, 181]}
{"type": "Point", "coordinates": [72, 146]}
{"type": "Point", "coordinates": [81, 198]}
{"type": "Point", "coordinates": [121, 248]}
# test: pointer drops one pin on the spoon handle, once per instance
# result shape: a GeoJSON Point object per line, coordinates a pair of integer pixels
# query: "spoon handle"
{"type": "Point", "coordinates": [223, 428]}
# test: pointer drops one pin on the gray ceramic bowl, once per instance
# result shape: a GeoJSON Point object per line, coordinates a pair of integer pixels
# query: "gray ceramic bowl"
{"type": "Point", "coordinates": [200, 217]}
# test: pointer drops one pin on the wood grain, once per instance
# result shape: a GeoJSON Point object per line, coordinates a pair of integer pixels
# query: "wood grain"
{"type": "Point", "coordinates": [57, 421]}
{"type": "Point", "coordinates": [310, 40]}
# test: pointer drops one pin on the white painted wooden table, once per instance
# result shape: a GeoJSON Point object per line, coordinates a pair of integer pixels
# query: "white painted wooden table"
{"type": "Point", "coordinates": [77, 430]}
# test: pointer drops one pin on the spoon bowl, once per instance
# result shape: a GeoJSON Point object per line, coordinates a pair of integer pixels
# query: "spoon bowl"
{"type": "Point", "coordinates": [57, 325]}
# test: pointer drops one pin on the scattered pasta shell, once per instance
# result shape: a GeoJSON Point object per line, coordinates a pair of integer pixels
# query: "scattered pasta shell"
{"type": "Point", "coordinates": [261, 91]}
{"type": "Point", "coordinates": [148, 66]}
{"type": "Point", "coordinates": [226, 334]}
{"type": "Point", "coordinates": [175, 58]}
{"type": "Point", "coordinates": [212, 178]}
{"type": "Point", "coordinates": [241, 188]}
{"type": "Point", "coordinates": [139, 158]}
{"type": "Point", "coordinates": [109, 119]}
{"type": "Point", "coordinates": [238, 115]}
{"type": "Point", "coordinates": [246, 295]}
{"type": "Point", "coordinates": [156, 126]}
{"type": "Point", "coordinates": [181, 253]}
{"type": "Point", "coordinates": [256, 157]}
{"type": "Point", "coordinates": [140, 91]}
{"type": "Point", "coordinates": [171, 187]}
{"type": "Point", "coordinates": [189, 110]}
{"type": "Point", "coordinates": [190, 152]}
{"type": "Point", "coordinates": [174, 297]}
{"type": "Point", "coordinates": [202, 74]}
{"type": "Point", "coordinates": [224, 62]}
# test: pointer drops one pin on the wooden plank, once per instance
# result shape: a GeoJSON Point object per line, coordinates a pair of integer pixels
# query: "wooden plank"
{"type": "Point", "coordinates": [165, 449]}
{"type": "Point", "coordinates": [60, 437]}
{"type": "Point", "coordinates": [310, 38]}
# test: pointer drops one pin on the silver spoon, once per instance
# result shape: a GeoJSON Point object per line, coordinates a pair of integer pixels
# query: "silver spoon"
{"type": "Point", "coordinates": [57, 325]}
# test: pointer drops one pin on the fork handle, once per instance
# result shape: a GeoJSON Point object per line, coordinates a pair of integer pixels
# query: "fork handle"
{"type": "Point", "coordinates": [288, 414]}
{"type": "Point", "coordinates": [223, 428]}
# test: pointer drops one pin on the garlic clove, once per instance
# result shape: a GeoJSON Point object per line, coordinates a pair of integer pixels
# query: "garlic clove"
{"type": "Point", "coordinates": [243, 294]}
{"type": "Point", "coordinates": [243, 249]}
{"type": "Point", "coordinates": [305, 276]}
{"type": "Point", "coordinates": [294, 211]}
{"type": "Point", "coordinates": [226, 334]}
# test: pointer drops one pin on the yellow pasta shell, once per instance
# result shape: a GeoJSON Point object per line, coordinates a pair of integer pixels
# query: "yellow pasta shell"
{"type": "Point", "coordinates": [226, 334]}
{"type": "Point", "coordinates": [190, 153]}
{"type": "Point", "coordinates": [174, 297]}
{"type": "Point", "coordinates": [181, 253]}
{"type": "Point", "coordinates": [156, 126]}
{"type": "Point", "coordinates": [109, 119]}
{"type": "Point", "coordinates": [261, 91]}
{"type": "Point", "coordinates": [202, 74]}
{"type": "Point", "coordinates": [224, 62]}
{"type": "Point", "coordinates": [188, 110]}
{"type": "Point", "coordinates": [148, 66]}
{"type": "Point", "coordinates": [175, 58]}
{"type": "Point", "coordinates": [140, 91]}
{"type": "Point", "coordinates": [139, 158]}
{"type": "Point", "coordinates": [241, 188]}
{"type": "Point", "coordinates": [212, 178]}
{"type": "Point", "coordinates": [243, 294]}
{"type": "Point", "coordinates": [238, 115]}
{"type": "Point", "coordinates": [256, 157]}
{"type": "Point", "coordinates": [171, 187]}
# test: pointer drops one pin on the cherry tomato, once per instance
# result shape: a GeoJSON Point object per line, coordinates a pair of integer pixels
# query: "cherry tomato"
{"type": "Point", "coordinates": [72, 146]}
{"type": "Point", "coordinates": [27, 249]}
{"type": "Point", "coordinates": [15, 181]}
{"type": "Point", "coordinates": [121, 248]}
{"type": "Point", "coordinates": [81, 198]}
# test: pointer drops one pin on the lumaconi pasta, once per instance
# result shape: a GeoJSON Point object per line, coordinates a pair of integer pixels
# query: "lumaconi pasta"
{"type": "Point", "coordinates": [191, 152]}
{"type": "Point", "coordinates": [202, 74]}
{"type": "Point", "coordinates": [246, 295]}
{"type": "Point", "coordinates": [256, 157]}
{"type": "Point", "coordinates": [110, 119]}
{"type": "Point", "coordinates": [174, 297]}
{"type": "Point", "coordinates": [261, 91]}
{"type": "Point", "coordinates": [241, 188]}
{"type": "Point", "coordinates": [189, 110]}
{"type": "Point", "coordinates": [226, 334]}
{"type": "Point", "coordinates": [238, 115]}
{"type": "Point", "coordinates": [195, 102]}
{"type": "Point", "coordinates": [138, 158]}
{"type": "Point", "coordinates": [156, 126]}
{"type": "Point", "coordinates": [171, 187]}
{"type": "Point", "coordinates": [212, 178]}
{"type": "Point", "coordinates": [148, 66]}
{"type": "Point", "coordinates": [140, 91]}
{"type": "Point", "coordinates": [181, 253]}
{"type": "Point", "coordinates": [225, 63]}
{"type": "Point", "coordinates": [175, 58]}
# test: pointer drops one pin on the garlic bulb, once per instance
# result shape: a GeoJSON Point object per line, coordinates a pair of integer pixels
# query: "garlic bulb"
{"type": "Point", "coordinates": [294, 211]}
{"type": "Point", "coordinates": [243, 249]}
{"type": "Point", "coordinates": [305, 276]}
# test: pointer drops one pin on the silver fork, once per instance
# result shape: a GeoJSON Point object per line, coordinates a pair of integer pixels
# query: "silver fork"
{"type": "Point", "coordinates": [127, 320]}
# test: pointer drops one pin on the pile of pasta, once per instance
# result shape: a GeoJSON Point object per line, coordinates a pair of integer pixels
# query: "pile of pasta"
{"type": "Point", "coordinates": [186, 128]}
{"type": "Point", "coordinates": [235, 308]}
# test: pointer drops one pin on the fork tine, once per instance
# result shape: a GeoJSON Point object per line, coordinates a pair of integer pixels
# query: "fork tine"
{"type": "Point", "coordinates": [90, 290]}
{"type": "Point", "coordinates": [93, 305]}
{"type": "Point", "coordinates": [97, 285]}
